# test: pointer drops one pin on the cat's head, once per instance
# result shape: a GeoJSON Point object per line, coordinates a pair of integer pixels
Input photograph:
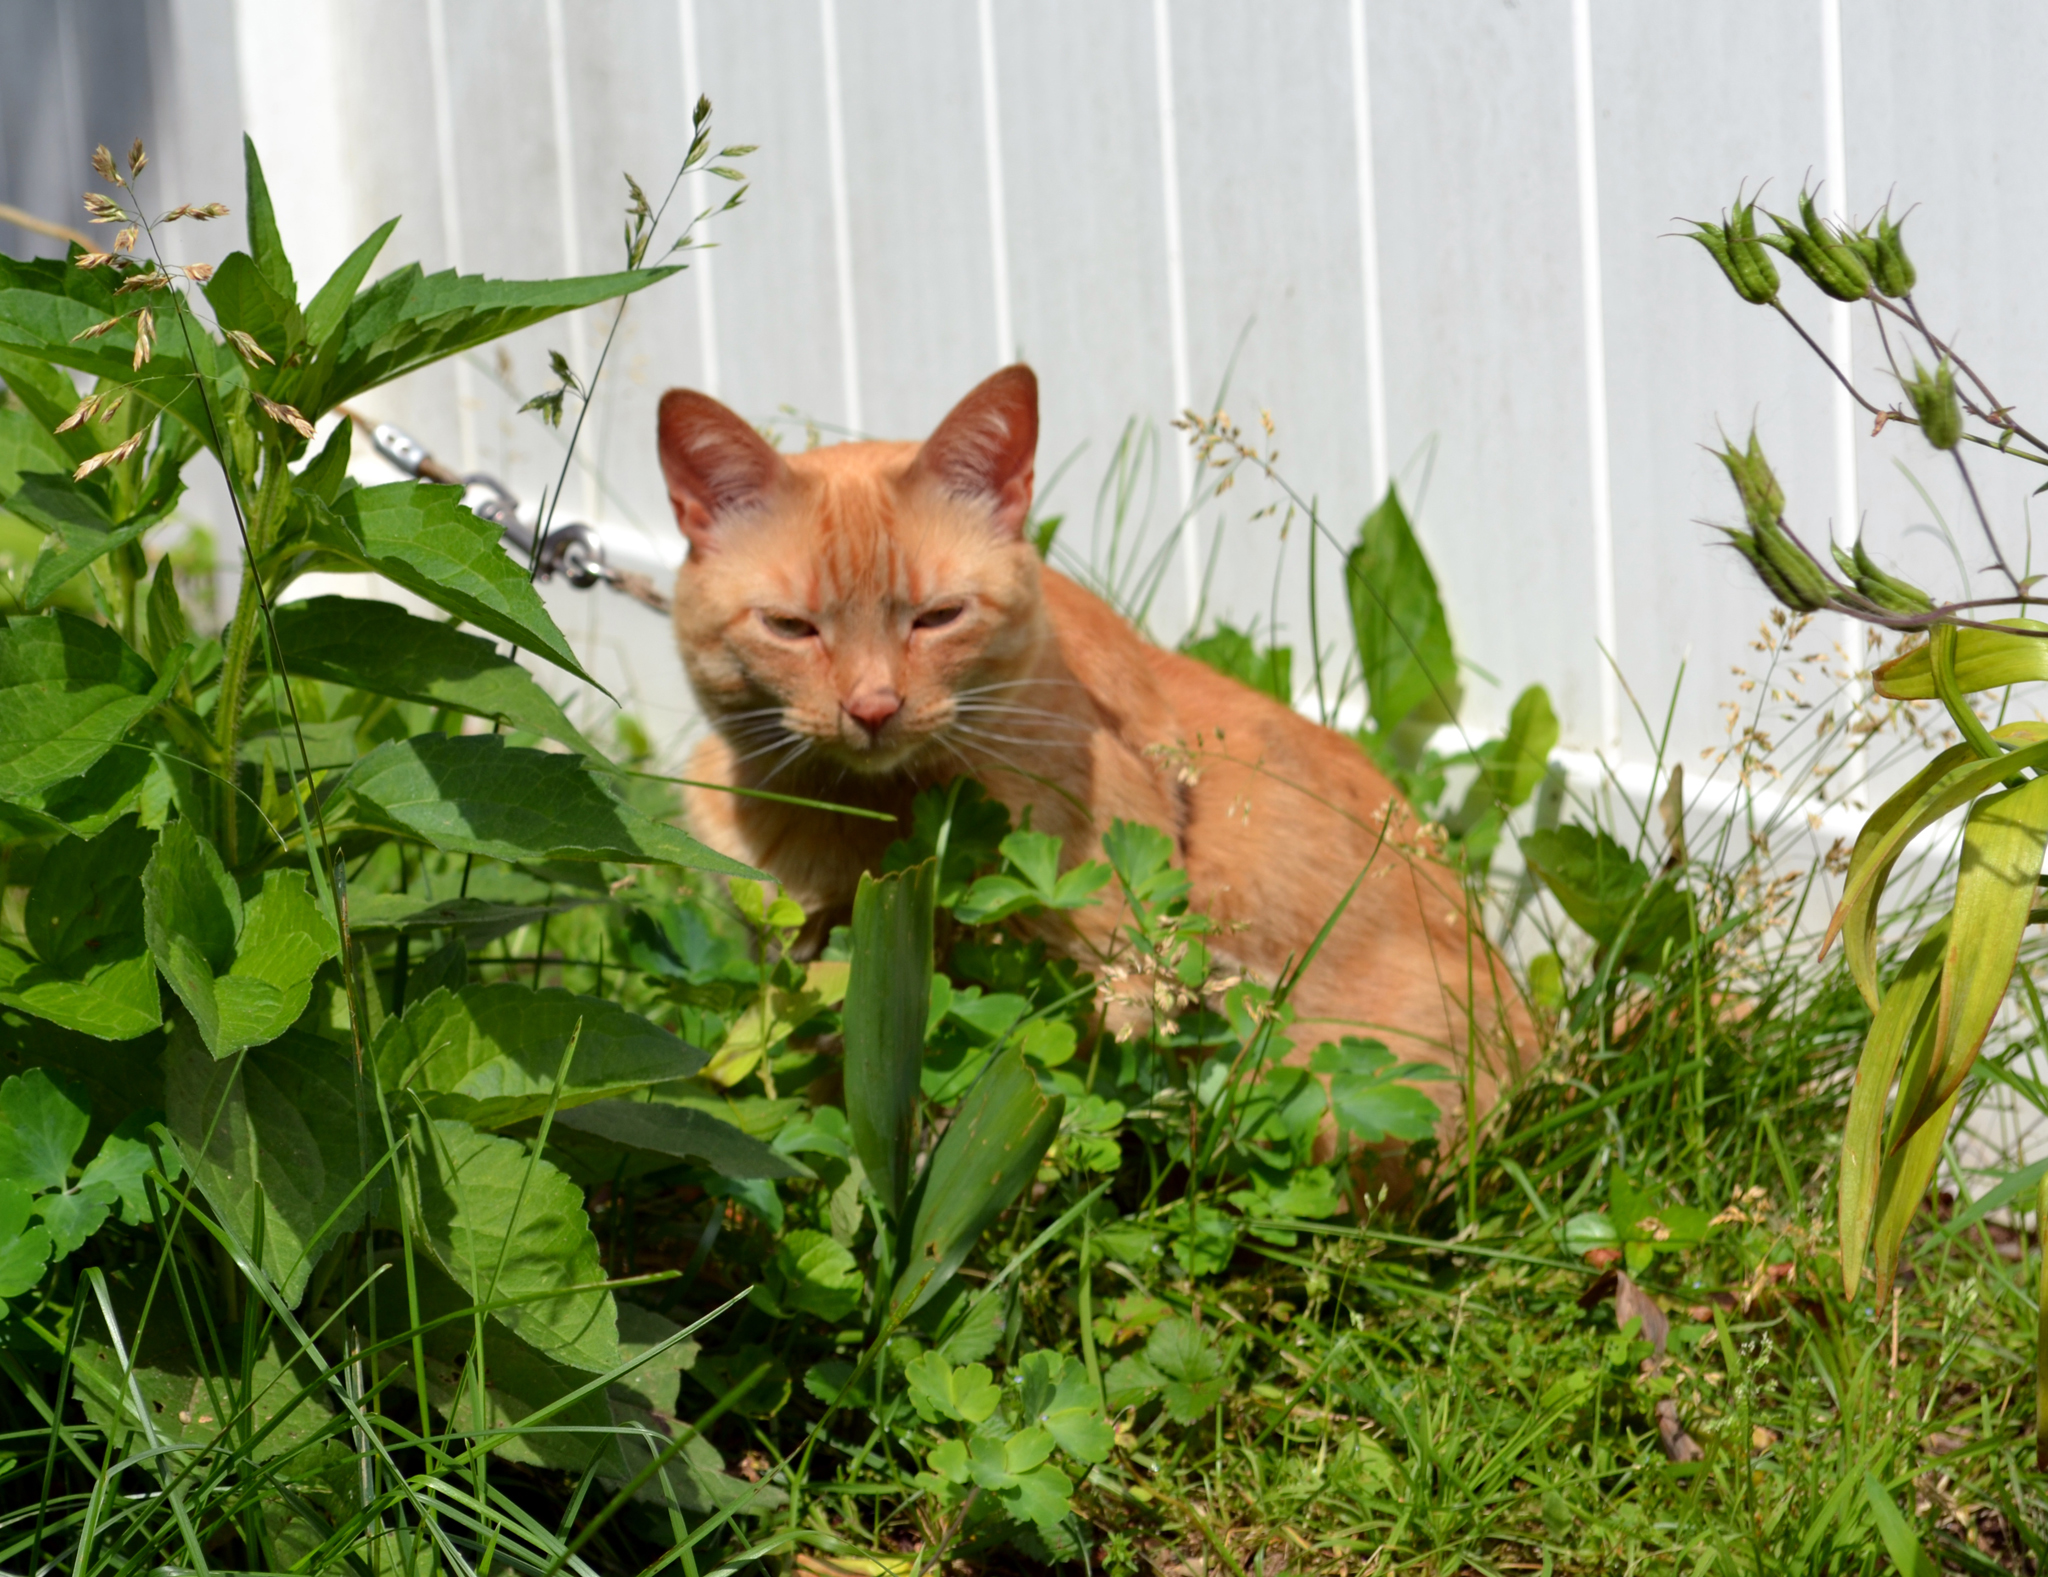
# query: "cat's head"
{"type": "Point", "coordinates": [855, 605]}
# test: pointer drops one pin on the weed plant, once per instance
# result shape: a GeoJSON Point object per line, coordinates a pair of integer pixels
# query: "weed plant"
{"type": "Point", "coordinates": [416, 1156]}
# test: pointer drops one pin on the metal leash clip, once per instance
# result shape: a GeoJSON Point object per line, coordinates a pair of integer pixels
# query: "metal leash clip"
{"type": "Point", "coordinates": [579, 553]}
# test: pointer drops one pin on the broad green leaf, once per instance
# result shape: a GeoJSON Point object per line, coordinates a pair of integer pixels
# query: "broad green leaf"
{"type": "Point", "coordinates": [244, 300]}
{"type": "Point", "coordinates": [509, 1226]}
{"type": "Point", "coordinates": [492, 1054]}
{"type": "Point", "coordinates": [1609, 896]}
{"type": "Point", "coordinates": [810, 1274]}
{"type": "Point", "coordinates": [957, 820]}
{"type": "Point", "coordinates": [28, 441]}
{"type": "Point", "coordinates": [1985, 660]}
{"type": "Point", "coordinates": [123, 1161]}
{"type": "Point", "coordinates": [69, 690]}
{"type": "Point", "coordinates": [24, 1250]}
{"type": "Point", "coordinates": [1368, 1094]}
{"type": "Point", "coordinates": [475, 794]}
{"type": "Point", "coordinates": [264, 1393]}
{"type": "Point", "coordinates": [409, 319]}
{"type": "Point", "coordinates": [1951, 780]}
{"type": "Point", "coordinates": [41, 1127]}
{"type": "Point", "coordinates": [419, 536]}
{"type": "Point", "coordinates": [1231, 651]}
{"type": "Point", "coordinates": [88, 967]}
{"type": "Point", "coordinates": [379, 647]}
{"type": "Point", "coordinates": [988, 1153]}
{"type": "Point", "coordinates": [276, 1130]}
{"type": "Point", "coordinates": [1191, 1367]}
{"type": "Point", "coordinates": [1511, 767]}
{"type": "Point", "coordinates": [244, 972]}
{"type": "Point", "coordinates": [77, 530]}
{"type": "Point", "coordinates": [1142, 858]}
{"type": "Point", "coordinates": [1397, 619]}
{"type": "Point", "coordinates": [682, 1132]}
{"type": "Point", "coordinates": [1014, 1470]}
{"type": "Point", "coordinates": [887, 1000]}
{"type": "Point", "coordinates": [1059, 1398]}
{"type": "Point", "coordinates": [1902, 1017]}
{"type": "Point", "coordinates": [46, 303]}
{"type": "Point", "coordinates": [966, 1393]}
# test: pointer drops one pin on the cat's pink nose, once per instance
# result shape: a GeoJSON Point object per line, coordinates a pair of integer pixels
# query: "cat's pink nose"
{"type": "Point", "coordinates": [872, 709]}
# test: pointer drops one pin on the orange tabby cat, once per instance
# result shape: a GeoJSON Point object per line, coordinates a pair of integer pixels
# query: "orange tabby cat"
{"type": "Point", "coordinates": [864, 621]}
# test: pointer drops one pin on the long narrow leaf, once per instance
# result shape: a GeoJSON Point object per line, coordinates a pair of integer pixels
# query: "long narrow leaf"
{"type": "Point", "coordinates": [1903, 1014]}
{"type": "Point", "coordinates": [888, 997]}
{"type": "Point", "coordinates": [1907, 1172]}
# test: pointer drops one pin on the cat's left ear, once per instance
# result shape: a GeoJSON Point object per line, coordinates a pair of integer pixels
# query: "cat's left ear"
{"type": "Point", "coordinates": [987, 445]}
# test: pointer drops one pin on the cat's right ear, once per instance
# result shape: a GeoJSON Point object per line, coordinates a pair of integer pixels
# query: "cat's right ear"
{"type": "Point", "coordinates": [717, 467]}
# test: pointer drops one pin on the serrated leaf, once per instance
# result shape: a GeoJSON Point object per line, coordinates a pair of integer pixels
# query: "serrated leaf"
{"type": "Point", "coordinates": [70, 689]}
{"type": "Point", "coordinates": [88, 967]}
{"type": "Point", "coordinates": [379, 647]}
{"type": "Point", "coordinates": [1142, 858]}
{"type": "Point", "coordinates": [261, 219]}
{"type": "Point", "coordinates": [887, 1002]}
{"type": "Point", "coordinates": [419, 536]}
{"type": "Point", "coordinates": [77, 530]}
{"type": "Point", "coordinates": [409, 319]}
{"type": "Point", "coordinates": [1191, 1367]}
{"type": "Point", "coordinates": [244, 973]}
{"type": "Point", "coordinates": [510, 1226]}
{"type": "Point", "coordinates": [475, 794]}
{"type": "Point", "coordinates": [276, 1129]}
{"type": "Point", "coordinates": [41, 1127]}
{"type": "Point", "coordinates": [1608, 894]}
{"type": "Point", "coordinates": [1397, 618]}
{"type": "Point", "coordinates": [989, 1151]}
{"type": "Point", "coordinates": [682, 1132]}
{"type": "Point", "coordinates": [491, 1055]}
{"type": "Point", "coordinates": [1368, 1094]}
{"type": "Point", "coordinates": [964, 1394]}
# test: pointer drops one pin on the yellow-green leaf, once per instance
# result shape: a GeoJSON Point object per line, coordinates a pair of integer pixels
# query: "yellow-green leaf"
{"type": "Point", "coordinates": [1902, 1017]}
{"type": "Point", "coordinates": [1907, 1172]}
{"type": "Point", "coordinates": [1985, 660]}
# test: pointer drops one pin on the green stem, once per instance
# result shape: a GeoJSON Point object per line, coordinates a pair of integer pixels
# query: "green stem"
{"type": "Point", "coordinates": [236, 652]}
{"type": "Point", "coordinates": [1941, 651]}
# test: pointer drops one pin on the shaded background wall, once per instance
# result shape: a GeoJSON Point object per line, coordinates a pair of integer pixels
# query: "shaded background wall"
{"type": "Point", "coordinates": [1431, 237]}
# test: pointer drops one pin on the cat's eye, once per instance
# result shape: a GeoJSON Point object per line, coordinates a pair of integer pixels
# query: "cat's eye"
{"type": "Point", "coordinates": [938, 618]}
{"type": "Point", "coordinates": [789, 627]}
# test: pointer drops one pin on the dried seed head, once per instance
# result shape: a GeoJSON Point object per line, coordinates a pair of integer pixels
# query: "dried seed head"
{"type": "Point", "coordinates": [103, 164]}
{"type": "Point", "coordinates": [138, 157]}
{"type": "Point", "coordinates": [113, 456]}
{"type": "Point", "coordinates": [104, 327]}
{"type": "Point", "coordinates": [102, 209]}
{"type": "Point", "coordinates": [195, 211]}
{"type": "Point", "coordinates": [285, 414]}
{"type": "Point", "coordinates": [145, 338]}
{"type": "Point", "coordinates": [251, 352]}
{"type": "Point", "coordinates": [125, 240]}
{"type": "Point", "coordinates": [81, 414]}
{"type": "Point", "coordinates": [199, 271]}
{"type": "Point", "coordinates": [93, 259]}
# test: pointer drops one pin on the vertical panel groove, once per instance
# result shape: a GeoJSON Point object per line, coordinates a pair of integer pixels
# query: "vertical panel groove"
{"type": "Point", "coordinates": [842, 238]}
{"type": "Point", "coordinates": [451, 209]}
{"type": "Point", "coordinates": [572, 253]}
{"type": "Point", "coordinates": [1176, 286]}
{"type": "Point", "coordinates": [1599, 477]}
{"type": "Point", "coordinates": [699, 198]}
{"type": "Point", "coordinates": [998, 227]}
{"type": "Point", "coordinates": [1841, 343]}
{"type": "Point", "coordinates": [1369, 254]}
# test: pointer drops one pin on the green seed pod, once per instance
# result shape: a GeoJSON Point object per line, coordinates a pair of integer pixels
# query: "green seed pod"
{"type": "Point", "coordinates": [1888, 591]}
{"type": "Point", "coordinates": [1820, 253]}
{"type": "Point", "coordinates": [1774, 581]}
{"type": "Point", "coordinates": [1796, 567]}
{"type": "Point", "coordinates": [1935, 403]}
{"type": "Point", "coordinates": [1734, 245]}
{"type": "Point", "coordinates": [1894, 273]}
{"type": "Point", "coordinates": [1763, 501]}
